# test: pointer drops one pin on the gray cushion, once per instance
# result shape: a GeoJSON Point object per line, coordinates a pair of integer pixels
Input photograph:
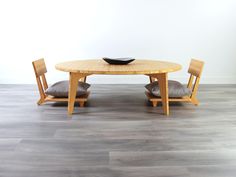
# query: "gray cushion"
{"type": "Point", "coordinates": [175, 89]}
{"type": "Point", "coordinates": [60, 89]}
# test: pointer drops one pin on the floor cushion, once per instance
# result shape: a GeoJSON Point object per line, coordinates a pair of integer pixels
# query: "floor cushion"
{"type": "Point", "coordinates": [175, 89]}
{"type": "Point", "coordinates": [60, 89]}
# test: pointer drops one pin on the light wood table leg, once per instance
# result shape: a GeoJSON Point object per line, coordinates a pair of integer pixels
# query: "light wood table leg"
{"type": "Point", "coordinates": [72, 92]}
{"type": "Point", "coordinates": [163, 84]}
{"type": "Point", "coordinates": [73, 85]}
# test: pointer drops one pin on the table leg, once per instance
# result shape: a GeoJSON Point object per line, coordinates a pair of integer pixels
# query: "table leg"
{"type": "Point", "coordinates": [73, 85]}
{"type": "Point", "coordinates": [72, 92]}
{"type": "Point", "coordinates": [163, 84]}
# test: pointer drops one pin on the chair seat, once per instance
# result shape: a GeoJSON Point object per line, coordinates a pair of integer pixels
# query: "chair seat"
{"type": "Point", "coordinates": [60, 89]}
{"type": "Point", "coordinates": [175, 89]}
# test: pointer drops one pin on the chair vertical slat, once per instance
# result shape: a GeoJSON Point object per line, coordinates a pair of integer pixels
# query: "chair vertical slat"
{"type": "Point", "coordinates": [45, 84]}
{"type": "Point", "coordinates": [190, 82]}
{"type": "Point", "coordinates": [83, 79]}
{"type": "Point", "coordinates": [152, 79]}
{"type": "Point", "coordinates": [195, 87]}
{"type": "Point", "coordinates": [40, 87]}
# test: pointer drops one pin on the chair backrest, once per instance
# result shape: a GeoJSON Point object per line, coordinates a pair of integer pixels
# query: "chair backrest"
{"type": "Point", "coordinates": [195, 71]}
{"type": "Point", "coordinates": [195, 67]}
{"type": "Point", "coordinates": [40, 70]}
{"type": "Point", "coordinates": [39, 67]}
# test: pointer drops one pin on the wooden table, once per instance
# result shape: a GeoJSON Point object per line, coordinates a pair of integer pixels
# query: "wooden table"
{"type": "Point", "coordinates": [155, 69]}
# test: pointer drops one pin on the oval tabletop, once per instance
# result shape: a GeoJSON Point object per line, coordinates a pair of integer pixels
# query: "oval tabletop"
{"type": "Point", "coordinates": [101, 67]}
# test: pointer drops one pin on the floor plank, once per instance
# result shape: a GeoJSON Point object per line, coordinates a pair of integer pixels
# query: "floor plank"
{"type": "Point", "coordinates": [117, 134]}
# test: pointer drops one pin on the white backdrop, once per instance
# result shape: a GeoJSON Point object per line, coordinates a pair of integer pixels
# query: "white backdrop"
{"type": "Point", "coordinates": [173, 30]}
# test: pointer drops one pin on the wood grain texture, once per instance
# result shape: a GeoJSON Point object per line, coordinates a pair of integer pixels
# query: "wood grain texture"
{"type": "Point", "coordinates": [40, 71]}
{"type": "Point", "coordinates": [119, 134]}
{"type": "Point", "coordinates": [163, 82]}
{"type": "Point", "coordinates": [157, 69]}
{"type": "Point", "coordinates": [195, 70]}
{"type": "Point", "coordinates": [39, 67]}
{"type": "Point", "coordinates": [195, 67]}
{"type": "Point", "coordinates": [101, 67]}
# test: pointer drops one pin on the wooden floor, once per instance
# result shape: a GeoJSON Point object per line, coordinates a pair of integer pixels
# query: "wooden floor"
{"type": "Point", "coordinates": [118, 134]}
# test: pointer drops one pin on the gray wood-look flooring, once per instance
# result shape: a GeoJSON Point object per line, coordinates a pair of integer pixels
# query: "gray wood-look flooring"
{"type": "Point", "coordinates": [118, 134]}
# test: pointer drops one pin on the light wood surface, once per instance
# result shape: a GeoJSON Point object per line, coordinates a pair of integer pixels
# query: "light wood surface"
{"type": "Point", "coordinates": [74, 77]}
{"type": "Point", "coordinates": [195, 67]}
{"type": "Point", "coordinates": [39, 67]}
{"type": "Point", "coordinates": [163, 82]}
{"type": "Point", "coordinates": [40, 70]}
{"type": "Point", "coordinates": [79, 69]}
{"type": "Point", "coordinates": [101, 67]}
{"type": "Point", "coordinates": [195, 71]}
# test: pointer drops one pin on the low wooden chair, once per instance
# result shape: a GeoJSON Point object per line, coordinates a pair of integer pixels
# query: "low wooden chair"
{"type": "Point", "coordinates": [195, 71]}
{"type": "Point", "coordinates": [40, 70]}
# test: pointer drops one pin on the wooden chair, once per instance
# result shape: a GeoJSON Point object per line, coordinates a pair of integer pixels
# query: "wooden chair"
{"type": "Point", "coordinates": [40, 70]}
{"type": "Point", "coordinates": [195, 71]}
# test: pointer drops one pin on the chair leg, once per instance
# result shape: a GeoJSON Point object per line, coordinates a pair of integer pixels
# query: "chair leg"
{"type": "Point", "coordinates": [81, 103]}
{"type": "Point", "coordinates": [154, 103]}
{"type": "Point", "coordinates": [40, 101]}
{"type": "Point", "coordinates": [195, 101]}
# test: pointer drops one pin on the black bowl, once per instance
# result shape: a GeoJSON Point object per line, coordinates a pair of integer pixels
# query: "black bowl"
{"type": "Point", "coordinates": [118, 61]}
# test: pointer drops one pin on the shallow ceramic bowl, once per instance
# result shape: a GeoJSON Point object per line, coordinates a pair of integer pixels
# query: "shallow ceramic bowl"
{"type": "Point", "coordinates": [118, 61]}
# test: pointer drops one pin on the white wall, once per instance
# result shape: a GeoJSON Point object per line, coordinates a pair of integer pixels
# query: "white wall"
{"type": "Point", "coordinates": [173, 30]}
